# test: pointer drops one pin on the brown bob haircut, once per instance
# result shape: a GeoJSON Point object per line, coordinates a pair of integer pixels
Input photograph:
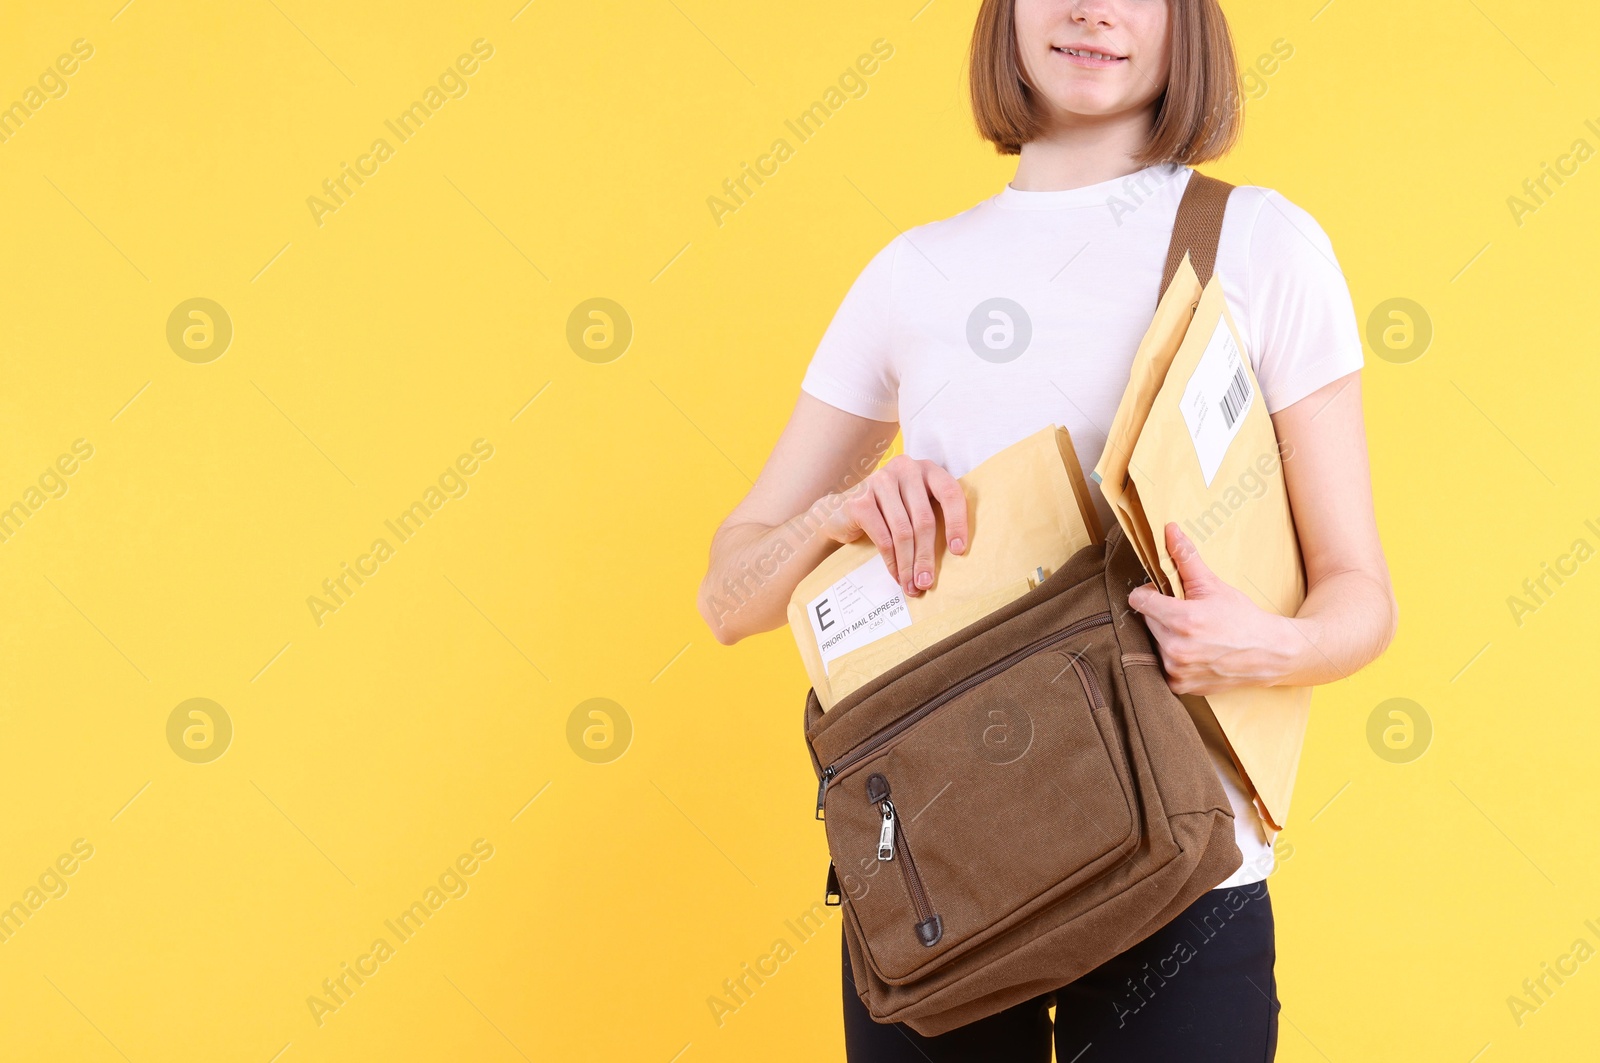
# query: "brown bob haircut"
{"type": "Point", "coordinates": [1197, 117]}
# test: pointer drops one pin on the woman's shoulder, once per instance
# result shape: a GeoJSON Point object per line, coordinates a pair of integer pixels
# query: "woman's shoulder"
{"type": "Point", "coordinates": [925, 241]}
{"type": "Point", "coordinates": [1266, 224]}
{"type": "Point", "coordinates": [1289, 294]}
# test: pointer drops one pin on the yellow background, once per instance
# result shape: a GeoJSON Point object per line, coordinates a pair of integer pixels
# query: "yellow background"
{"type": "Point", "coordinates": [432, 708]}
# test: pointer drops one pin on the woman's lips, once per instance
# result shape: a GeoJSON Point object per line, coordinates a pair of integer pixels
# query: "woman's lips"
{"type": "Point", "coordinates": [1087, 57]}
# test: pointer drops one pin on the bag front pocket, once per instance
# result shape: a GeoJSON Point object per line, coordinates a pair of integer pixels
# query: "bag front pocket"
{"type": "Point", "coordinates": [1003, 794]}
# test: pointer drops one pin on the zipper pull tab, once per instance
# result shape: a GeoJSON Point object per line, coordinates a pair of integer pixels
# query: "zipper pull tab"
{"type": "Point", "coordinates": [822, 788]}
{"type": "Point", "coordinates": [886, 832]}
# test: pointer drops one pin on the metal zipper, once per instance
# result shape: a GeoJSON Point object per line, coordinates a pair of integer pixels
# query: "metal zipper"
{"type": "Point", "coordinates": [873, 743]}
{"type": "Point", "coordinates": [929, 927]}
{"type": "Point", "coordinates": [886, 832]}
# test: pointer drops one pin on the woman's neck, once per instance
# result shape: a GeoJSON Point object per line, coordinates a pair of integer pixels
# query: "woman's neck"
{"type": "Point", "coordinates": [1081, 151]}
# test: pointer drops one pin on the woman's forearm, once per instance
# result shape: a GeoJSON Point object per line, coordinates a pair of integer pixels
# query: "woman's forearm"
{"type": "Point", "coordinates": [775, 535]}
{"type": "Point", "coordinates": [1346, 621]}
{"type": "Point", "coordinates": [755, 568]}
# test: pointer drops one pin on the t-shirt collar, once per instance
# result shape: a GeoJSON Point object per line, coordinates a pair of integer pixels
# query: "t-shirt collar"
{"type": "Point", "coordinates": [1095, 195]}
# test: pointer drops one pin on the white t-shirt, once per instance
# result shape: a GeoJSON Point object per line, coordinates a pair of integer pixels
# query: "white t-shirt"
{"type": "Point", "coordinates": [976, 331]}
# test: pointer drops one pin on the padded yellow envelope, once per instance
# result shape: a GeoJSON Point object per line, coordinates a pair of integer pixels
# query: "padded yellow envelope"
{"type": "Point", "coordinates": [1028, 511]}
{"type": "Point", "coordinates": [1150, 364]}
{"type": "Point", "coordinates": [1192, 443]}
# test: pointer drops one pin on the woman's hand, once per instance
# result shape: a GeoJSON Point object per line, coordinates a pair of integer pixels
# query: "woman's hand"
{"type": "Point", "coordinates": [1214, 638]}
{"type": "Point", "coordinates": [894, 508]}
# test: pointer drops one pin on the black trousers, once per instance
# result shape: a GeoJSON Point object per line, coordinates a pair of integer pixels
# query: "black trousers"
{"type": "Point", "coordinates": [1199, 990]}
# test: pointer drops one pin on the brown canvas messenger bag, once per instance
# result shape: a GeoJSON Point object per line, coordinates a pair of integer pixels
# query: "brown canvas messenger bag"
{"type": "Point", "coordinates": [1027, 798]}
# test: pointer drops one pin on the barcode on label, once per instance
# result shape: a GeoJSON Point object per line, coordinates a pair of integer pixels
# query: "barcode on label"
{"type": "Point", "coordinates": [1235, 398]}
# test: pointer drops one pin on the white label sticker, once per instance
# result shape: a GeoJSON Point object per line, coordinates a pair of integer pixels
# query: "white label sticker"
{"type": "Point", "coordinates": [1216, 399]}
{"type": "Point", "coordinates": [860, 608]}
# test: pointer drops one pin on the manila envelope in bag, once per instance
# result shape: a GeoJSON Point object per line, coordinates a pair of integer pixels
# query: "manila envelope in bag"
{"type": "Point", "coordinates": [1150, 364]}
{"type": "Point", "coordinates": [1028, 510]}
{"type": "Point", "coordinates": [1206, 457]}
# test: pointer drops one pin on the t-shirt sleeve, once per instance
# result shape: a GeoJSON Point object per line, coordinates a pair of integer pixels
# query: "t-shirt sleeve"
{"type": "Point", "coordinates": [1302, 322]}
{"type": "Point", "coordinates": [853, 367]}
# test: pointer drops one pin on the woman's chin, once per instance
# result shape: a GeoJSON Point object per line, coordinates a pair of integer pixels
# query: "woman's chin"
{"type": "Point", "coordinates": [1088, 108]}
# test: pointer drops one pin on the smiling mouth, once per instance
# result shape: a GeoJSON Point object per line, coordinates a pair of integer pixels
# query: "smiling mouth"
{"type": "Point", "coordinates": [1084, 53]}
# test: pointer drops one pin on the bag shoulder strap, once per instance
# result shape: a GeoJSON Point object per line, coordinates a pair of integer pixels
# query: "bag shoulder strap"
{"type": "Point", "coordinates": [1197, 228]}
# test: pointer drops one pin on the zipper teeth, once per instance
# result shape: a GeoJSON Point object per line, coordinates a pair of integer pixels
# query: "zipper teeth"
{"type": "Point", "coordinates": [1091, 684]}
{"type": "Point", "coordinates": [908, 869]}
{"type": "Point", "coordinates": [877, 740]}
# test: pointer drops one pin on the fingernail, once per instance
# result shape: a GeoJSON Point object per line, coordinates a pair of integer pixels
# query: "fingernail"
{"type": "Point", "coordinates": [924, 579]}
{"type": "Point", "coordinates": [958, 545]}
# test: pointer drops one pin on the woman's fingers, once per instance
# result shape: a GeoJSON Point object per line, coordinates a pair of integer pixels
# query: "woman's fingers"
{"type": "Point", "coordinates": [894, 507]}
{"type": "Point", "coordinates": [946, 489]}
{"type": "Point", "coordinates": [914, 493]}
{"type": "Point", "coordinates": [863, 512]}
{"type": "Point", "coordinates": [893, 511]}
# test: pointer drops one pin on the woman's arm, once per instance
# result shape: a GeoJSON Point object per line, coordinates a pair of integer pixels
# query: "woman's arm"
{"type": "Point", "coordinates": [1216, 637]}
{"type": "Point", "coordinates": [1350, 614]}
{"type": "Point", "coordinates": [822, 487]}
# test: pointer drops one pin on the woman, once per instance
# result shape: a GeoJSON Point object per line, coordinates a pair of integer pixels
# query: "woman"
{"type": "Point", "coordinates": [968, 334]}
